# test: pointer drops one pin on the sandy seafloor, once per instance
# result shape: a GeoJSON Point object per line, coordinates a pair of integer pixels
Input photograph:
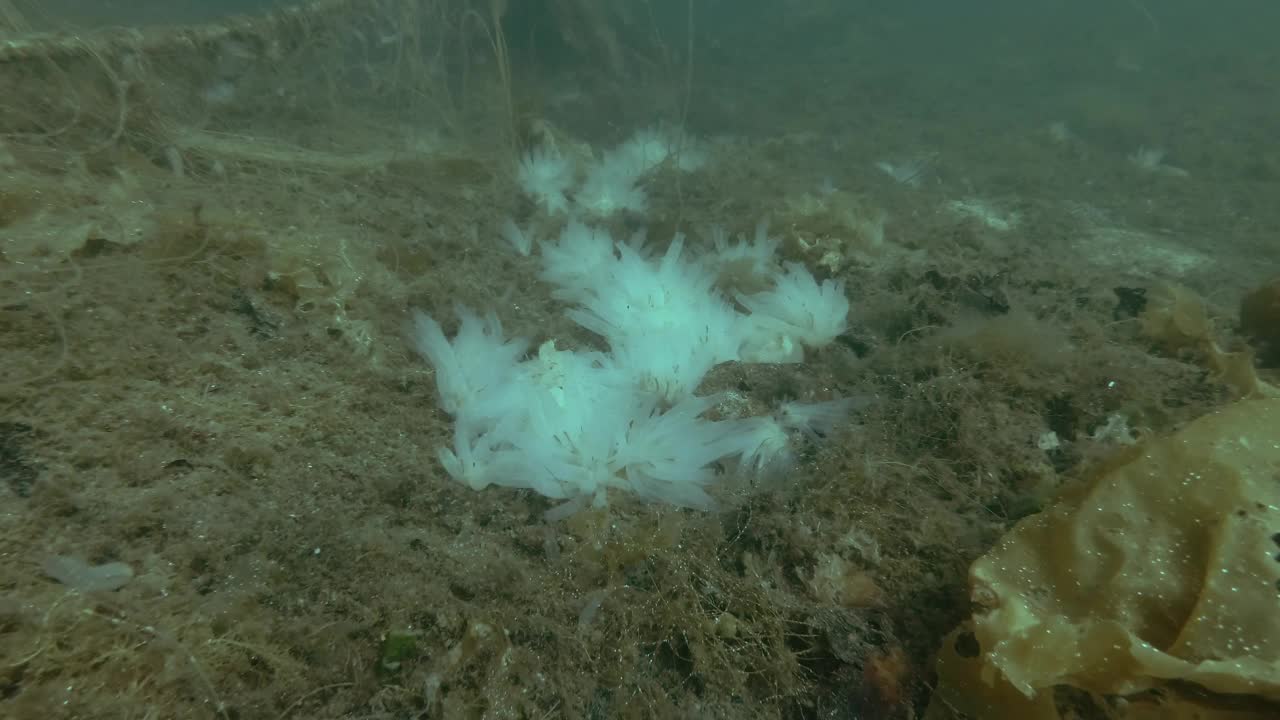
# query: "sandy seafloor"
{"type": "Point", "coordinates": [207, 378]}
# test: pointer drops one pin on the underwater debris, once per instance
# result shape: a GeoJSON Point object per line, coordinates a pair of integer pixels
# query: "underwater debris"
{"type": "Point", "coordinates": [1060, 133]}
{"type": "Point", "coordinates": [1151, 160]}
{"type": "Point", "coordinates": [985, 213]}
{"type": "Point", "coordinates": [80, 575]}
{"type": "Point", "coordinates": [908, 172]}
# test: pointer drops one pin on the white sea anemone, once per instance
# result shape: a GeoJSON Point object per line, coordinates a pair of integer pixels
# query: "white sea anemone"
{"type": "Point", "coordinates": [545, 176]}
{"type": "Point", "coordinates": [611, 187]}
{"type": "Point", "coordinates": [577, 425]}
